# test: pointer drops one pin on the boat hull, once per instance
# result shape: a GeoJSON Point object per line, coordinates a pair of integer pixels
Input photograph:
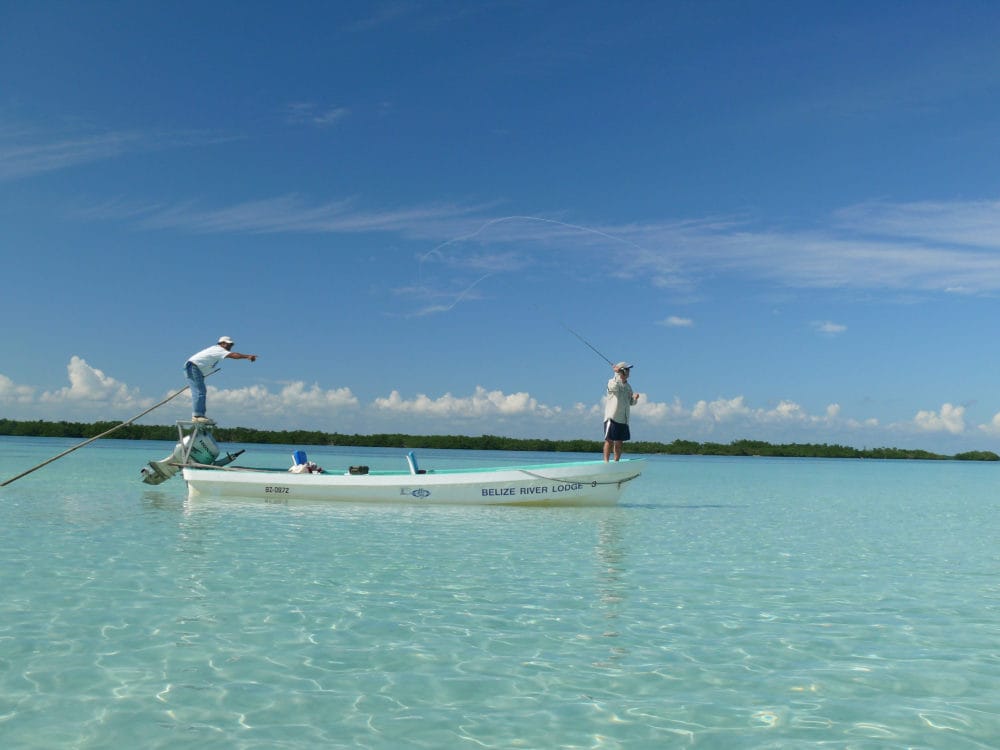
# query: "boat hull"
{"type": "Point", "coordinates": [581, 483]}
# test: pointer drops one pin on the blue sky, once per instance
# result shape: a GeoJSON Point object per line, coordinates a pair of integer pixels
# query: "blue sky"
{"type": "Point", "coordinates": [785, 214]}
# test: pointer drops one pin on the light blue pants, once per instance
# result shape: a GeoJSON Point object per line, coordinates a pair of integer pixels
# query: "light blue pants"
{"type": "Point", "coordinates": [198, 391]}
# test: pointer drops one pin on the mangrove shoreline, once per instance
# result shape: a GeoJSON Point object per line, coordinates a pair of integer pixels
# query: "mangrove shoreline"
{"type": "Point", "coordinates": [85, 430]}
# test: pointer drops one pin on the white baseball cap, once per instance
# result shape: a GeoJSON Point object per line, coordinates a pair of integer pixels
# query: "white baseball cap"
{"type": "Point", "coordinates": [225, 340]}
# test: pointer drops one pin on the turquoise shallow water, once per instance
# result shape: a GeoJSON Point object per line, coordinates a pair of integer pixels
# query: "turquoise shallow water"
{"type": "Point", "coordinates": [727, 603]}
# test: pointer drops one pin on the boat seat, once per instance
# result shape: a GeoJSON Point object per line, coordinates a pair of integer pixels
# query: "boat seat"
{"type": "Point", "coordinates": [412, 461]}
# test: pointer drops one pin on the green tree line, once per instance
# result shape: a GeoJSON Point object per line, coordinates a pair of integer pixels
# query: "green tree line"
{"type": "Point", "coordinates": [84, 430]}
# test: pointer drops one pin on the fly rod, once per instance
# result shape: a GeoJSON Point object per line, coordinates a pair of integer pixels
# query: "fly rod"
{"type": "Point", "coordinates": [98, 437]}
{"type": "Point", "coordinates": [588, 344]}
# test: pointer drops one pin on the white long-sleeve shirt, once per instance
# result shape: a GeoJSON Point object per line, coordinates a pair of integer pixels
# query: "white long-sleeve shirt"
{"type": "Point", "coordinates": [618, 401]}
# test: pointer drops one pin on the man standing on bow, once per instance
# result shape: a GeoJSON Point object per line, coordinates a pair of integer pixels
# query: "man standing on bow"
{"type": "Point", "coordinates": [619, 400]}
{"type": "Point", "coordinates": [201, 364]}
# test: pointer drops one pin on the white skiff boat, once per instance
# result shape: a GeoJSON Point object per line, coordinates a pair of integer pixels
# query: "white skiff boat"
{"type": "Point", "coordinates": [571, 483]}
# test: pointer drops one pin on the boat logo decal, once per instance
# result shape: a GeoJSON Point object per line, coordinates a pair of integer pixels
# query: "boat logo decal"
{"type": "Point", "coordinates": [418, 493]}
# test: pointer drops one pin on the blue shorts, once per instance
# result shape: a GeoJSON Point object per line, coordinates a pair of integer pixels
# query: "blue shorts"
{"type": "Point", "coordinates": [615, 431]}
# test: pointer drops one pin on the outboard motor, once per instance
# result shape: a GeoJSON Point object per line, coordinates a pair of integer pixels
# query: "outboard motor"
{"type": "Point", "coordinates": [199, 447]}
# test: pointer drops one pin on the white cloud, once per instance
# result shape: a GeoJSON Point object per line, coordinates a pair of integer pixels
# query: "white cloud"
{"type": "Point", "coordinates": [828, 327]}
{"type": "Point", "coordinates": [720, 410]}
{"type": "Point", "coordinates": [674, 321]}
{"type": "Point", "coordinates": [787, 411]}
{"type": "Point", "coordinates": [879, 246]}
{"type": "Point", "coordinates": [969, 223]}
{"type": "Point", "coordinates": [88, 384]}
{"type": "Point", "coordinates": [310, 113]}
{"type": "Point", "coordinates": [654, 412]}
{"type": "Point", "coordinates": [993, 428]}
{"type": "Point", "coordinates": [480, 404]}
{"type": "Point", "coordinates": [290, 213]}
{"type": "Point", "coordinates": [936, 247]}
{"type": "Point", "coordinates": [824, 258]}
{"type": "Point", "coordinates": [92, 394]}
{"type": "Point", "coordinates": [12, 393]}
{"type": "Point", "coordinates": [27, 151]}
{"type": "Point", "coordinates": [294, 399]}
{"type": "Point", "coordinates": [728, 410]}
{"type": "Point", "coordinates": [949, 419]}
{"type": "Point", "coordinates": [734, 412]}
{"type": "Point", "coordinates": [20, 160]}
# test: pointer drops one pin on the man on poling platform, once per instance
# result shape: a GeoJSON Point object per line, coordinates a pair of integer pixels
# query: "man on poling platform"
{"type": "Point", "coordinates": [201, 364]}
